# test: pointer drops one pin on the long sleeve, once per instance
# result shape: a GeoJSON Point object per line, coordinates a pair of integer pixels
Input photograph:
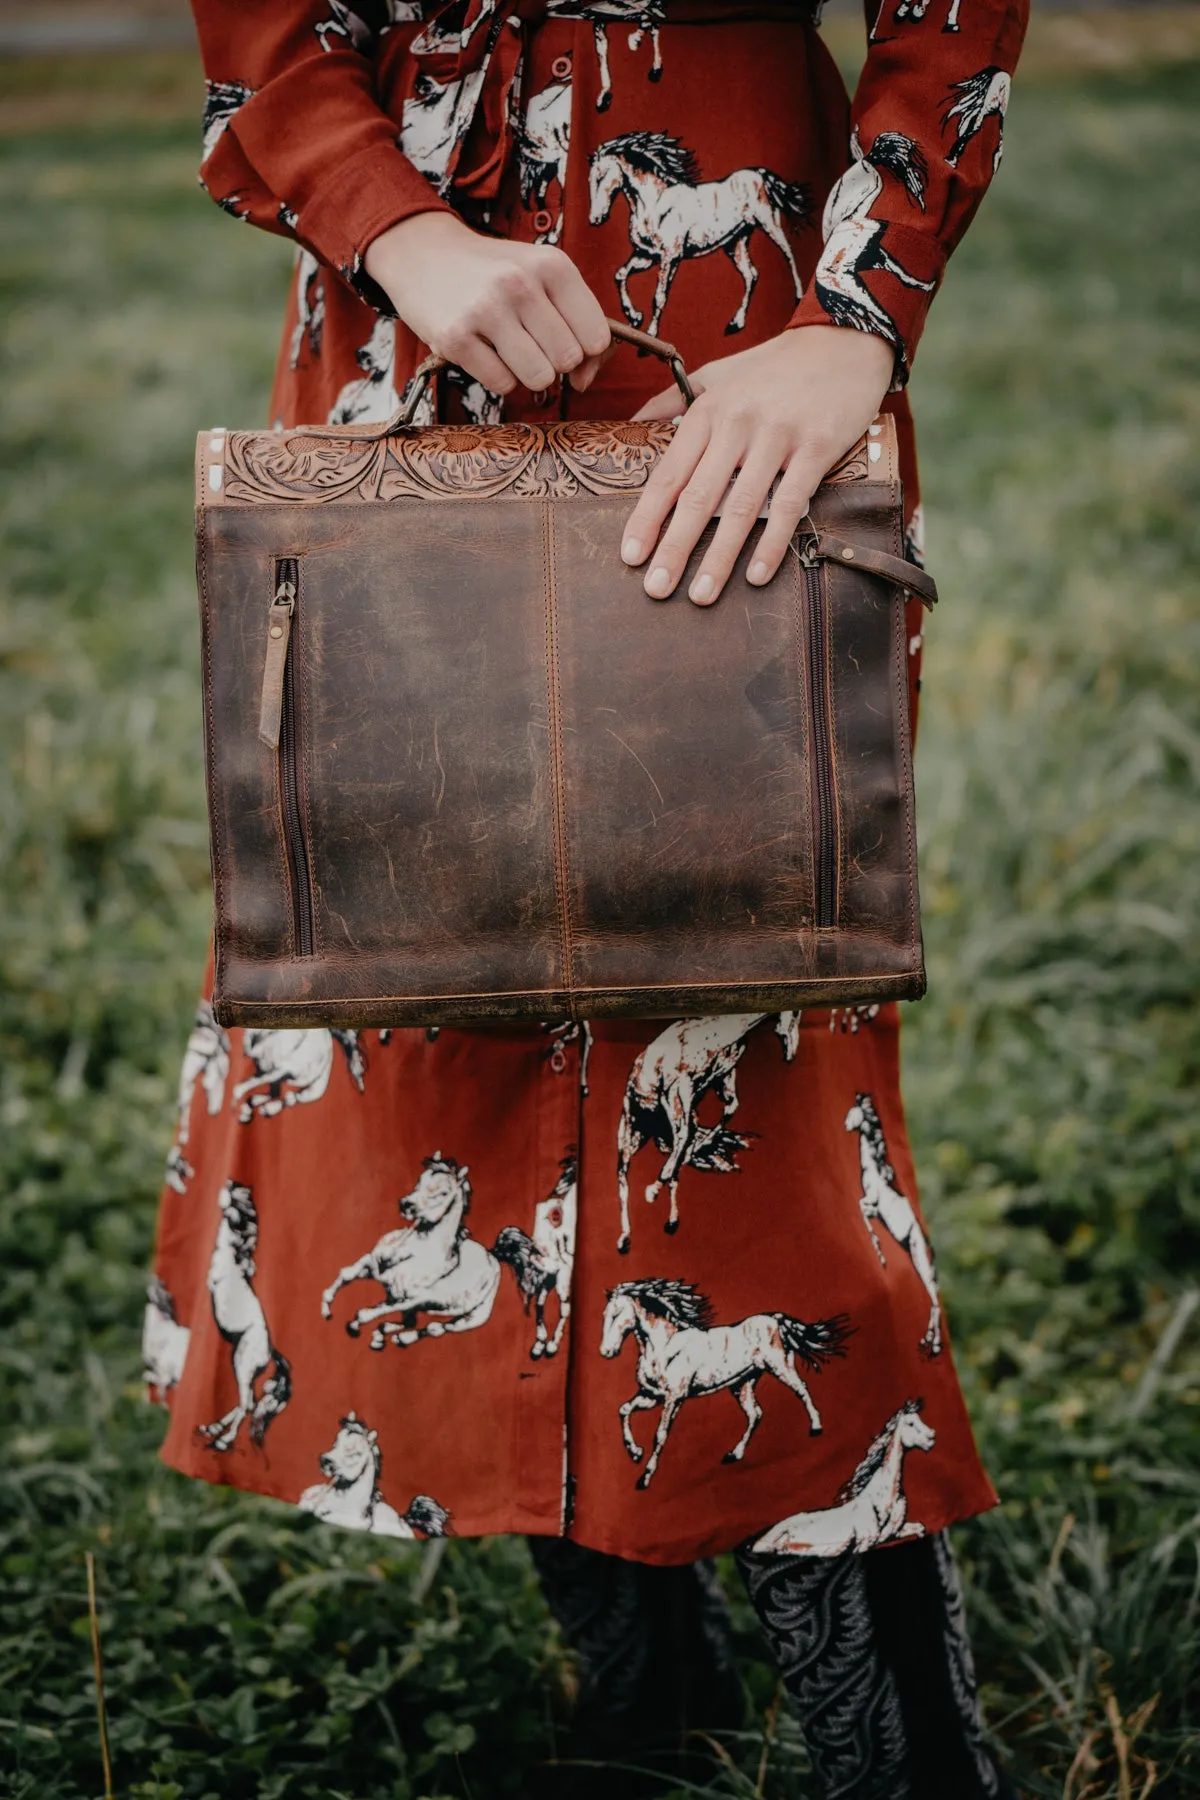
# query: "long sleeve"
{"type": "Point", "coordinates": [927, 126]}
{"type": "Point", "coordinates": [294, 138]}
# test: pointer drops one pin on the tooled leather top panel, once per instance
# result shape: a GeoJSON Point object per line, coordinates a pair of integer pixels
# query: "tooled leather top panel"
{"type": "Point", "coordinates": [520, 462]}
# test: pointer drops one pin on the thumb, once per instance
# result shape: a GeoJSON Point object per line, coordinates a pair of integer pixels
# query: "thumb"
{"type": "Point", "coordinates": [668, 404]}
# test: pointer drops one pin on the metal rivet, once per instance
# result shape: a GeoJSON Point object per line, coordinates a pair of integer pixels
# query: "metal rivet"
{"type": "Point", "coordinates": [277, 631]}
{"type": "Point", "coordinates": [848, 553]}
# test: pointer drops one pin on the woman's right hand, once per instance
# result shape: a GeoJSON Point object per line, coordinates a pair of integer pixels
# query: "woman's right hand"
{"type": "Point", "coordinates": [507, 313]}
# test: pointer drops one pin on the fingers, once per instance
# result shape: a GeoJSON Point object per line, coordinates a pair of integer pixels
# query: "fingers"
{"type": "Point", "coordinates": [550, 330]}
{"type": "Point", "coordinates": [523, 354]}
{"type": "Point", "coordinates": [666, 481]}
{"type": "Point", "coordinates": [666, 405]}
{"type": "Point", "coordinates": [789, 506]}
{"type": "Point", "coordinates": [574, 299]}
{"type": "Point", "coordinates": [477, 358]}
{"type": "Point", "coordinates": [694, 509]}
{"type": "Point", "coordinates": [739, 515]}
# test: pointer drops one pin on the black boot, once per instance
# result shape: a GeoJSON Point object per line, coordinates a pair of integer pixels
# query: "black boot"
{"type": "Point", "coordinates": [656, 1668]}
{"type": "Point", "coordinates": [874, 1654]}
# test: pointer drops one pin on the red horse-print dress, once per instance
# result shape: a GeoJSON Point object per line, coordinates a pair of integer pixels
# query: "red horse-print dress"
{"type": "Point", "coordinates": [660, 1286]}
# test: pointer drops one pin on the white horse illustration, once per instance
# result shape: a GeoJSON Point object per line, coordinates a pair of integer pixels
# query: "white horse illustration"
{"type": "Point", "coordinates": [178, 1171]}
{"type": "Point", "coordinates": [682, 1354]}
{"type": "Point", "coordinates": [646, 17]}
{"type": "Point", "coordinates": [854, 241]}
{"type": "Point", "coordinates": [674, 215]}
{"type": "Point", "coordinates": [205, 1060]}
{"type": "Point", "coordinates": [371, 397]}
{"type": "Point", "coordinates": [980, 97]}
{"type": "Point", "coordinates": [916, 10]}
{"type": "Point", "coordinates": [881, 1199]}
{"type": "Point", "coordinates": [435, 119]}
{"type": "Point", "coordinates": [350, 1494]}
{"type": "Point", "coordinates": [342, 23]}
{"type": "Point", "coordinates": [243, 1324]}
{"type": "Point", "coordinates": [543, 143]}
{"type": "Point", "coordinates": [543, 1264]}
{"type": "Point", "coordinates": [293, 1067]}
{"type": "Point", "coordinates": [871, 1508]}
{"type": "Point", "coordinates": [431, 1265]}
{"type": "Point", "coordinates": [164, 1340]}
{"type": "Point", "coordinates": [668, 1082]}
{"type": "Point", "coordinates": [852, 1018]}
{"type": "Point", "coordinates": [221, 100]}
{"type": "Point", "coordinates": [480, 405]}
{"type": "Point", "coordinates": [310, 308]}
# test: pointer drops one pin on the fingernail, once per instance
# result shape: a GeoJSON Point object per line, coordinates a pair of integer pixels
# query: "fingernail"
{"type": "Point", "coordinates": [701, 589]}
{"type": "Point", "coordinates": [658, 582]}
{"type": "Point", "coordinates": [632, 551]}
{"type": "Point", "coordinates": [757, 571]}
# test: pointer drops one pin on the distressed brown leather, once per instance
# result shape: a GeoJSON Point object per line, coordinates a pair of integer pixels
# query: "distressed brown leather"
{"type": "Point", "coordinates": [523, 789]}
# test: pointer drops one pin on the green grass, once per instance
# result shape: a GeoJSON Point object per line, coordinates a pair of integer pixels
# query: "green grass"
{"type": "Point", "coordinates": [1052, 1073]}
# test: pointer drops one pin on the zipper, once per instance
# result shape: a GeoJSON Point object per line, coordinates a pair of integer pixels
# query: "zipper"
{"type": "Point", "coordinates": [820, 737]}
{"type": "Point", "coordinates": [279, 727]}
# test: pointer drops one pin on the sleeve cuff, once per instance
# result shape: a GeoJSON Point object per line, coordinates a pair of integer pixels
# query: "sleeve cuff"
{"type": "Point", "coordinates": [889, 296]}
{"type": "Point", "coordinates": [372, 190]}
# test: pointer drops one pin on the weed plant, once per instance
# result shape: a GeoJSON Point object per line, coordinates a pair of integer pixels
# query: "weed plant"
{"type": "Point", "coordinates": [1052, 1072]}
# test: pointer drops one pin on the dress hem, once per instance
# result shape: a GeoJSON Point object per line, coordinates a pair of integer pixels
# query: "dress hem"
{"type": "Point", "coordinates": [669, 1555]}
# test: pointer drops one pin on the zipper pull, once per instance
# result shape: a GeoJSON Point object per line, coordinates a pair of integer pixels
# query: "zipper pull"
{"type": "Point", "coordinates": [808, 543]}
{"type": "Point", "coordinates": [279, 631]}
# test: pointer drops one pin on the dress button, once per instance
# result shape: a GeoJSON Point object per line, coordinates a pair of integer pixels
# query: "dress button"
{"type": "Point", "coordinates": [542, 220]}
{"type": "Point", "coordinates": [558, 1061]}
{"type": "Point", "coordinates": [561, 66]}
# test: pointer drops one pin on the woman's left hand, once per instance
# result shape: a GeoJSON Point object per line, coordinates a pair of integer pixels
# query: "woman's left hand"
{"type": "Point", "coordinates": [789, 408]}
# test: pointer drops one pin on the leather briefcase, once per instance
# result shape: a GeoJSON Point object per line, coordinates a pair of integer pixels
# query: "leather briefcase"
{"type": "Point", "coordinates": [461, 769]}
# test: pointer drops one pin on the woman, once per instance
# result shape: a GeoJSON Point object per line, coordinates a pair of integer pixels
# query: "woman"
{"type": "Point", "coordinates": [399, 1280]}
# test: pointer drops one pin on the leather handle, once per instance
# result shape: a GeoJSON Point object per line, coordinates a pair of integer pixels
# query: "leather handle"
{"type": "Point", "coordinates": [641, 340]}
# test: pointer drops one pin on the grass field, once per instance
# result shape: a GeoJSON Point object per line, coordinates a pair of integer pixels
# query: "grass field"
{"type": "Point", "coordinates": [1052, 1073]}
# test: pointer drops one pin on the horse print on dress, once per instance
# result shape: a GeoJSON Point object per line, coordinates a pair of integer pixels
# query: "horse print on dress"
{"type": "Point", "coordinates": [682, 1354]}
{"type": "Point", "coordinates": [205, 1060]}
{"type": "Point", "coordinates": [543, 1264]}
{"type": "Point", "coordinates": [309, 328]}
{"type": "Point", "coordinates": [354, 33]}
{"type": "Point", "coordinates": [350, 1493]}
{"type": "Point", "coordinates": [221, 100]}
{"type": "Point", "coordinates": [543, 143]}
{"type": "Point", "coordinates": [915, 10]}
{"type": "Point", "coordinates": [178, 1171]}
{"type": "Point", "coordinates": [243, 1324]}
{"type": "Point", "coordinates": [882, 1199]}
{"type": "Point", "coordinates": [691, 1058]}
{"type": "Point", "coordinates": [292, 1068]}
{"type": "Point", "coordinates": [854, 243]}
{"type": "Point", "coordinates": [436, 118]}
{"type": "Point", "coordinates": [646, 15]}
{"type": "Point", "coordinates": [980, 97]}
{"type": "Point", "coordinates": [870, 1508]}
{"type": "Point", "coordinates": [431, 1266]}
{"type": "Point", "coordinates": [674, 216]}
{"type": "Point", "coordinates": [164, 1341]}
{"type": "Point", "coordinates": [851, 1019]}
{"type": "Point", "coordinates": [371, 397]}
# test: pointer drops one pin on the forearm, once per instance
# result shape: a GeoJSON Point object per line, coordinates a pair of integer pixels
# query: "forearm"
{"type": "Point", "coordinates": [295, 140]}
